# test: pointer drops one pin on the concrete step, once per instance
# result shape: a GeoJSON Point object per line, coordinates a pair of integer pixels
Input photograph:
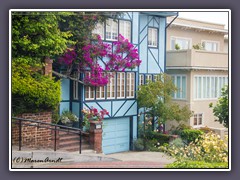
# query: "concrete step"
{"type": "Point", "coordinates": [70, 142]}
{"type": "Point", "coordinates": [75, 147]}
{"type": "Point", "coordinates": [67, 139]}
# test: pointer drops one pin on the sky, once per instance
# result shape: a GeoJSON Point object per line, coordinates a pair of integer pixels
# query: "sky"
{"type": "Point", "coordinates": [214, 17]}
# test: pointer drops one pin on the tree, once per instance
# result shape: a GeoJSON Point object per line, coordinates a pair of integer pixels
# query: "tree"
{"type": "Point", "coordinates": [156, 98]}
{"type": "Point", "coordinates": [220, 110]}
{"type": "Point", "coordinates": [36, 35]}
{"type": "Point", "coordinates": [67, 37]}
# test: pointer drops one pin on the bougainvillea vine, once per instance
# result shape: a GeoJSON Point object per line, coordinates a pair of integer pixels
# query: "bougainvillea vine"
{"type": "Point", "coordinates": [118, 56]}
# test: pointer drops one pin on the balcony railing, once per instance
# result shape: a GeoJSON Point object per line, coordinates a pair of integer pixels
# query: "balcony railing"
{"type": "Point", "coordinates": [192, 58]}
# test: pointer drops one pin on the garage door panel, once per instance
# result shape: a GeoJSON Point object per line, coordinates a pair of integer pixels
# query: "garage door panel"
{"type": "Point", "coordinates": [109, 135]}
{"type": "Point", "coordinates": [115, 135]}
{"type": "Point", "coordinates": [122, 147]}
{"type": "Point", "coordinates": [109, 122]}
{"type": "Point", "coordinates": [109, 128]}
{"type": "Point", "coordinates": [122, 134]}
{"type": "Point", "coordinates": [124, 121]}
{"type": "Point", "coordinates": [121, 127]}
{"type": "Point", "coordinates": [109, 149]}
{"type": "Point", "coordinates": [109, 142]}
{"type": "Point", "coordinates": [122, 140]}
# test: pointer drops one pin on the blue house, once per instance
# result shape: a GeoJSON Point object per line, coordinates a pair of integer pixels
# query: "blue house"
{"type": "Point", "coordinates": [147, 31]}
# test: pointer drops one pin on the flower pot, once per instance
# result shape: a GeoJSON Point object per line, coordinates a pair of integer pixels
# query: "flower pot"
{"type": "Point", "coordinates": [93, 119]}
{"type": "Point", "coordinates": [69, 124]}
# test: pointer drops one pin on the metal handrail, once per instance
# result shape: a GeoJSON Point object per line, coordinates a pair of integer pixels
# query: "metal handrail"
{"type": "Point", "coordinates": [66, 129]}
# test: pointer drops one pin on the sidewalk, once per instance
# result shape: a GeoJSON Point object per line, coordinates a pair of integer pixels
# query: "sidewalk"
{"type": "Point", "coordinates": [88, 159]}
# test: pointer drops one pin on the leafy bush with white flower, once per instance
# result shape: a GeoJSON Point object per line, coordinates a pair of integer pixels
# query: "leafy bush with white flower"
{"type": "Point", "coordinates": [209, 148]}
{"type": "Point", "coordinates": [68, 117]}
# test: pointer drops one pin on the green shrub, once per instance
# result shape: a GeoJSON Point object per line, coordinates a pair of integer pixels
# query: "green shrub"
{"type": "Point", "coordinates": [31, 91]}
{"type": "Point", "coordinates": [153, 140]}
{"type": "Point", "coordinates": [138, 144]}
{"type": "Point", "coordinates": [178, 142]}
{"type": "Point", "coordinates": [161, 138]}
{"type": "Point", "coordinates": [190, 135]}
{"type": "Point", "coordinates": [86, 124]}
{"type": "Point", "coordinates": [197, 164]}
{"type": "Point", "coordinates": [55, 116]}
{"type": "Point", "coordinates": [177, 130]}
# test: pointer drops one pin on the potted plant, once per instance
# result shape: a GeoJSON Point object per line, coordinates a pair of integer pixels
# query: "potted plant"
{"type": "Point", "coordinates": [92, 114]}
{"type": "Point", "coordinates": [177, 47]}
{"type": "Point", "coordinates": [68, 118]}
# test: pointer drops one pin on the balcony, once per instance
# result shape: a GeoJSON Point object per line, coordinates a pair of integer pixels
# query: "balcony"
{"type": "Point", "coordinates": [196, 59]}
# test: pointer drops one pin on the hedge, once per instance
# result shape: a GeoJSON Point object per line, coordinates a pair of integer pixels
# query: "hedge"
{"type": "Point", "coordinates": [197, 164]}
{"type": "Point", "coordinates": [190, 135]}
{"type": "Point", "coordinates": [32, 91]}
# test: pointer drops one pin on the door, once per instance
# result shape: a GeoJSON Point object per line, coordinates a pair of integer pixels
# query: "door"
{"type": "Point", "coordinates": [115, 135]}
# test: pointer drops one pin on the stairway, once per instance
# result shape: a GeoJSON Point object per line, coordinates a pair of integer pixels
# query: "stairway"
{"type": "Point", "coordinates": [70, 142]}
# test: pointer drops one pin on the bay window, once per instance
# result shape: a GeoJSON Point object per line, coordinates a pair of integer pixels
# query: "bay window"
{"type": "Point", "coordinates": [130, 85]}
{"type": "Point", "coordinates": [111, 86]}
{"type": "Point", "coordinates": [141, 79]}
{"type": "Point", "coordinates": [120, 85]}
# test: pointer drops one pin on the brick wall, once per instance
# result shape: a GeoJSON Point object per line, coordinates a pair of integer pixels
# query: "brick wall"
{"type": "Point", "coordinates": [32, 136]}
{"type": "Point", "coordinates": [95, 136]}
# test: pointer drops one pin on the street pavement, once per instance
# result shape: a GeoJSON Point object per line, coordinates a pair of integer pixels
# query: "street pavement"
{"type": "Point", "coordinates": [88, 159]}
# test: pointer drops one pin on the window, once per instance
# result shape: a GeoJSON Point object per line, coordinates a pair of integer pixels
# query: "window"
{"type": "Point", "coordinates": [156, 78]}
{"type": "Point", "coordinates": [130, 85]}
{"type": "Point", "coordinates": [111, 30]}
{"type": "Point", "coordinates": [208, 87]}
{"type": "Point", "coordinates": [198, 119]}
{"type": "Point", "coordinates": [180, 82]}
{"type": "Point", "coordinates": [99, 30]}
{"type": "Point", "coordinates": [113, 27]}
{"type": "Point", "coordinates": [210, 45]}
{"type": "Point", "coordinates": [125, 29]}
{"type": "Point", "coordinates": [89, 92]}
{"type": "Point", "coordinates": [183, 43]}
{"type": "Point", "coordinates": [148, 78]}
{"type": "Point", "coordinates": [111, 86]}
{"type": "Point", "coordinates": [75, 86]}
{"type": "Point", "coordinates": [121, 85]}
{"type": "Point", "coordinates": [100, 92]}
{"type": "Point", "coordinates": [152, 37]}
{"type": "Point", "coordinates": [141, 79]}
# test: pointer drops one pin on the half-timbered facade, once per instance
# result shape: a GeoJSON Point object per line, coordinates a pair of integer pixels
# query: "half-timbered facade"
{"type": "Point", "coordinates": [147, 31]}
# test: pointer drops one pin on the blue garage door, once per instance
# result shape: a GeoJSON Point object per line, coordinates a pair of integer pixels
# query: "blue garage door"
{"type": "Point", "coordinates": [115, 135]}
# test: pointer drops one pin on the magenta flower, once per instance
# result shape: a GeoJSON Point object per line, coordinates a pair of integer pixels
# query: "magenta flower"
{"type": "Point", "coordinates": [121, 56]}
